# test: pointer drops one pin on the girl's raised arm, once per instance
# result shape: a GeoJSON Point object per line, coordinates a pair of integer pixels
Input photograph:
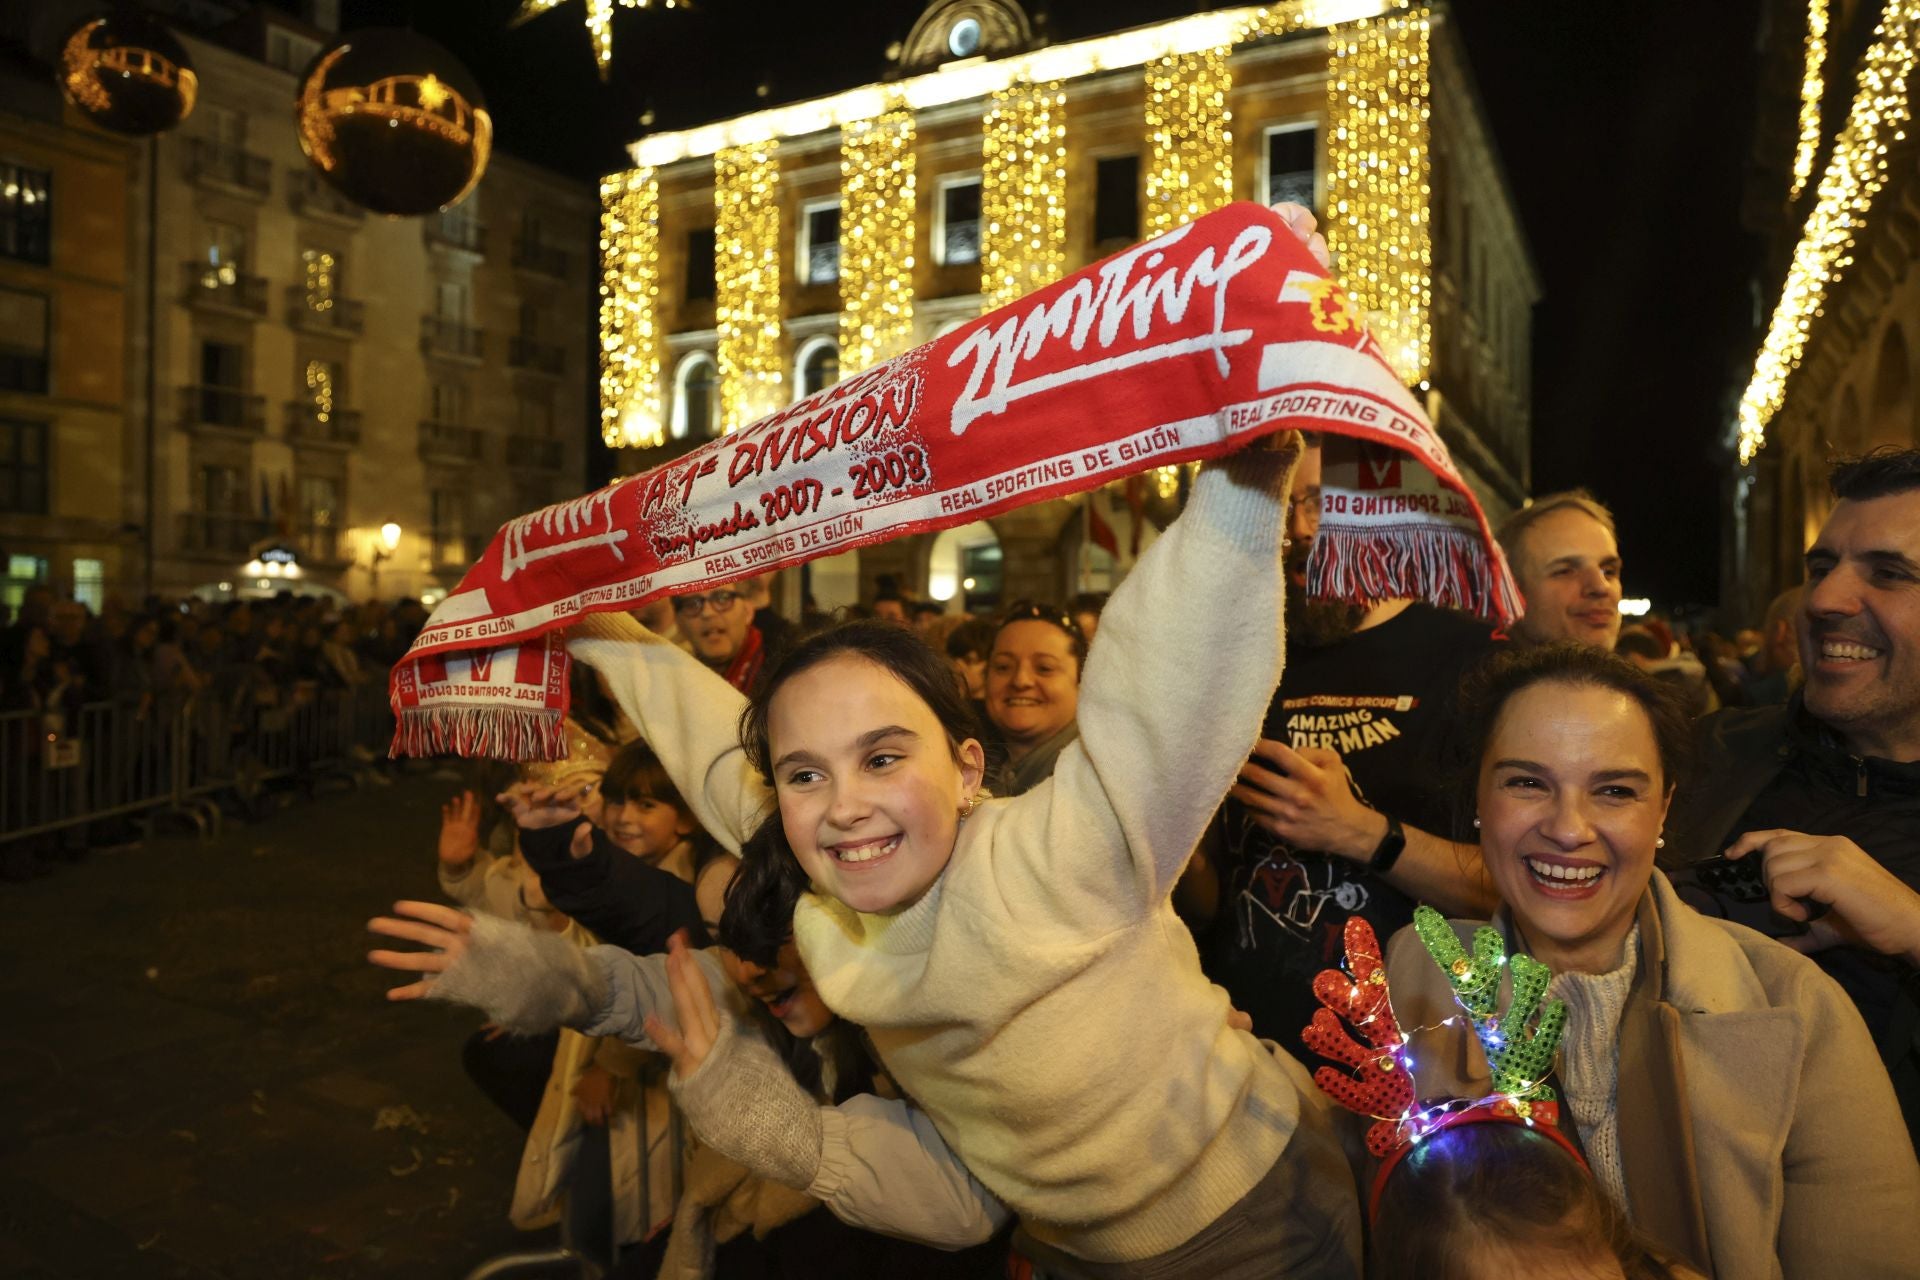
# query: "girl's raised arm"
{"type": "Point", "coordinates": [686, 713]}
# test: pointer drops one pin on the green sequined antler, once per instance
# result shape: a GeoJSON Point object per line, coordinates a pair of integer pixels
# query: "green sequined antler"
{"type": "Point", "coordinates": [1519, 1049]}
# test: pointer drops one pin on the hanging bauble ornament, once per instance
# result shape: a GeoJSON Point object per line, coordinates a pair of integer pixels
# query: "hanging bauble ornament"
{"type": "Point", "coordinates": [125, 72]}
{"type": "Point", "coordinates": [393, 122]}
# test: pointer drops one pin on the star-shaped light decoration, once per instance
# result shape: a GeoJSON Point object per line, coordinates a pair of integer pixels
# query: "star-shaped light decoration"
{"type": "Point", "coordinates": [599, 21]}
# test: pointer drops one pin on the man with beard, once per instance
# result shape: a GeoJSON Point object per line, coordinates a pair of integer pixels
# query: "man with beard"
{"type": "Point", "coordinates": [1332, 816]}
{"type": "Point", "coordinates": [1824, 791]}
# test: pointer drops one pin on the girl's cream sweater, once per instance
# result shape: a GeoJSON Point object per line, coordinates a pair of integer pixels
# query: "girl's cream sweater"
{"type": "Point", "coordinates": [1042, 1003]}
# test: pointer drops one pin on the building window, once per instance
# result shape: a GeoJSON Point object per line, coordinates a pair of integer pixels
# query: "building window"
{"type": "Point", "coordinates": [818, 366]}
{"type": "Point", "coordinates": [956, 231]}
{"type": "Point", "coordinates": [26, 213]}
{"type": "Point", "coordinates": [90, 583]}
{"type": "Point", "coordinates": [23, 467]}
{"type": "Point", "coordinates": [290, 52]}
{"type": "Point", "coordinates": [23, 573]}
{"type": "Point", "coordinates": [223, 491]}
{"type": "Point", "coordinates": [532, 323]}
{"type": "Point", "coordinates": [319, 499]}
{"type": "Point", "coordinates": [223, 364]}
{"type": "Point", "coordinates": [700, 265]}
{"type": "Point", "coordinates": [1116, 200]}
{"type": "Point", "coordinates": [696, 404]}
{"type": "Point", "coordinates": [24, 341]}
{"type": "Point", "coordinates": [450, 403]}
{"type": "Point", "coordinates": [820, 243]}
{"type": "Point", "coordinates": [448, 516]}
{"type": "Point", "coordinates": [1292, 164]}
{"type": "Point", "coordinates": [226, 248]}
{"type": "Point", "coordinates": [450, 301]}
{"type": "Point", "coordinates": [533, 412]}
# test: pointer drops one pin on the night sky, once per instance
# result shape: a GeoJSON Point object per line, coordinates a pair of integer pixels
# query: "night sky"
{"type": "Point", "coordinates": [1624, 129]}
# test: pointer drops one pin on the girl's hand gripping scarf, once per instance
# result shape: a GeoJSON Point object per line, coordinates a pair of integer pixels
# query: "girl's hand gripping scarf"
{"type": "Point", "coordinates": [1186, 346]}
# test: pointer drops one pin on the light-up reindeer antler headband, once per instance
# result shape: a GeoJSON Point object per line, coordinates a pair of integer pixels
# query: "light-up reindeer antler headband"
{"type": "Point", "coordinates": [1379, 1080]}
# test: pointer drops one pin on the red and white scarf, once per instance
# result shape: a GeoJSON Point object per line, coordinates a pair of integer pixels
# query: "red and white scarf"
{"type": "Point", "coordinates": [1186, 346]}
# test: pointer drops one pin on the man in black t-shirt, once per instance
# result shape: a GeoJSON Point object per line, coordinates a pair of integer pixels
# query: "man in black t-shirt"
{"type": "Point", "coordinates": [1355, 733]}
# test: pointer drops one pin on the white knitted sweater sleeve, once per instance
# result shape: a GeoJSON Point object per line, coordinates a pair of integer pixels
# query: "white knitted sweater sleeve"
{"type": "Point", "coordinates": [687, 714]}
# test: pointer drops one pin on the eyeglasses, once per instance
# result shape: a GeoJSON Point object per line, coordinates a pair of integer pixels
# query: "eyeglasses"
{"type": "Point", "coordinates": [692, 605]}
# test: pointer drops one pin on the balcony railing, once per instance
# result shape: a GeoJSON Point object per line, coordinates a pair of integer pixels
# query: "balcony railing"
{"type": "Point", "coordinates": [529, 254]}
{"type": "Point", "coordinates": [228, 166]}
{"type": "Point", "coordinates": [339, 429]}
{"type": "Point", "coordinates": [536, 356]}
{"type": "Point", "coordinates": [452, 340]}
{"type": "Point", "coordinates": [331, 315]}
{"type": "Point", "coordinates": [451, 232]}
{"type": "Point", "coordinates": [539, 452]}
{"type": "Point", "coordinates": [23, 371]}
{"type": "Point", "coordinates": [224, 288]}
{"type": "Point", "coordinates": [221, 532]}
{"type": "Point", "coordinates": [222, 409]}
{"type": "Point", "coordinates": [311, 197]}
{"type": "Point", "coordinates": [449, 442]}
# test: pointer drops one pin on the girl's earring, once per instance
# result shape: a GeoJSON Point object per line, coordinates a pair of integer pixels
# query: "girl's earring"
{"type": "Point", "coordinates": [1661, 843]}
{"type": "Point", "coordinates": [1476, 824]}
{"type": "Point", "coordinates": [967, 810]}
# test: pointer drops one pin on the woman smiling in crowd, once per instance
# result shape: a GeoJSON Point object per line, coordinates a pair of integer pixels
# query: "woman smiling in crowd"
{"type": "Point", "coordinates": [1725, 1091]}
{"type": "Point", "coordinates": [1033, 693]}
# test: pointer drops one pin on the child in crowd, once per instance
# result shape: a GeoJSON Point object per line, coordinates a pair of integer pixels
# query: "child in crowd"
{"type": "Point", "coordinates": [1492, 1199]}
{"type": "Point", "coordinates": [643, 814]}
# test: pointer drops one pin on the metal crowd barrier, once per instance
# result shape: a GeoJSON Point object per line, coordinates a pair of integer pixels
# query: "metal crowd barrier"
{"type": "Point", "coordinates": [150, 759]}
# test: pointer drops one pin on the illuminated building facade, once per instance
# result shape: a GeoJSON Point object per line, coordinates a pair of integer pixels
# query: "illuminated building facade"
{"type": "Point", "coordinates": [990, 164]}
{"type": "Point", "coordinates": [300, 372]}
{"type": "Point", "coordinates": [1834, 194]}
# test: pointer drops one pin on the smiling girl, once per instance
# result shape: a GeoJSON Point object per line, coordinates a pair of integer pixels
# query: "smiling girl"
{"type": "Point", "coordinates": [1725, 1091]}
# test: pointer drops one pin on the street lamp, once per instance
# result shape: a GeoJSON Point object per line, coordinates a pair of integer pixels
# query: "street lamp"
{"type": "Point", "coordinates": [389, 543]}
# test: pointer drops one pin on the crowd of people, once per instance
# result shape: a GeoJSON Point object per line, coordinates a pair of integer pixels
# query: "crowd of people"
{"type": "Point", "coordinates": [918, 942]}
{"type": "Point", "coordinates": [239, 660]}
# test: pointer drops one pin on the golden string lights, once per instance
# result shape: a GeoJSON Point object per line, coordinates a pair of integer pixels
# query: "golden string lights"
{"type": "Point", "coordinates": [320, 266]}
{"type": "Point", "coordinates": [876, 239]}
{"type": "Point", "coordinates": [629, 326]}
{"type": "Point", "coordinates": [1023, 200]}
{"type": "Point", "coordinates": [1813, 87]}
{"type": "Point", "coordinates": [1189, 139]}
{"type": "Point", "coordinates": [320, 390]}
{"type": "Point", "coordinates": [746, 282]}
{"type": "Point", "coordinates": [1379, 99]}
{"type": "Point", "coordinates": [599, 21]}
{"type": "Point", "coordinates": [1855, 172]}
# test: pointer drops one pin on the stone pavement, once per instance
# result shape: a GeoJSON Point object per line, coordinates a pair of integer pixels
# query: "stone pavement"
{"type": "Point", "coordinates": [199, 1076]}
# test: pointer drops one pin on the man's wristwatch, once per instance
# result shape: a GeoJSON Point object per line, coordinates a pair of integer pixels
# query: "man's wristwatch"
{"type": "Point", "coordinates": [1388, 851]}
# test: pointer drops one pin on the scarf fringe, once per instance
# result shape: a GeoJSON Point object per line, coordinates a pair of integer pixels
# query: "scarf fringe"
{"type": "Point", "coordinates": [498, 733]}
{"type": "Point", "coordinates": [1445, 567]}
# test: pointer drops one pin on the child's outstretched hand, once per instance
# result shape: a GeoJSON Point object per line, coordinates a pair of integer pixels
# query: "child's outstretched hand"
{"type": "Point", "coordinates": [693, 1009]}
{"type": "Point", "coordinates": [460, 830]}
{"type": "Point", "coordinates": [535, 806]}
{"type": "Point", "coordinates": [431, 925]}
{"type": "Point", "coordinates": [1301, 222]}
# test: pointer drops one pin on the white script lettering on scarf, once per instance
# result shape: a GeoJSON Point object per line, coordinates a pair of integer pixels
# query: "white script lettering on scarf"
{"type": "Point", "coordinates": [563, 518]}
{"type": "Point", "coordinates": [998, 350]}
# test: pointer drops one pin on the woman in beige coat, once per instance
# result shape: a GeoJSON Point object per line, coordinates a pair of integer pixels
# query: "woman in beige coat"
{"type": "Point", "coordinates": [1724, 1090]}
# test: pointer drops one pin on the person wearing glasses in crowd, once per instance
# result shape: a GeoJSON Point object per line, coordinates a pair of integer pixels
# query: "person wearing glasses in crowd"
{"type": "Point", "coordinates": [1033, 693]}
{"type": "Point", "coordinates": [718, 625]}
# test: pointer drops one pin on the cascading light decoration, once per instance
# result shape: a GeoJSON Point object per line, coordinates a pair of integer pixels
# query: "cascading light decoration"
{"type": "Point", "coordinates": [1378, 223]}
{"type": "Point", "coordinates": [1855, 172]}
{"type": "Point", "coordinates": [746, 282]}
{"type": "Point", "coordinates": [630, 416]}
{"type": "Point", "coordinates": [876, 239]}
{"type": "Point", "coordinates": [319, 266]}
{"type": "Point", "coordinates": [1813, 87]}
{"type": "Point", "coordinates": [320, 390]}
{"type": "Point", "coordinates": [1023, 179]}
{"type": "Point", "coordinates": [1189, 138]}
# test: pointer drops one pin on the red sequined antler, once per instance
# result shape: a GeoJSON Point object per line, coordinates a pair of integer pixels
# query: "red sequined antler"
{"type": "Point", "coordinates": [1378, 1083]}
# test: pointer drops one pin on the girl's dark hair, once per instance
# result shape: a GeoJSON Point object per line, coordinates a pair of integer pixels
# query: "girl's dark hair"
{"type": "Point", "coordinates": [635, 773]}
{"type": "Point", "coordinates": [1482, 1199]}
{"type": "Point", "coordinates": [1487, 691]}
{"type": "Point", "coordinates": [760, 901]}
{"type": "Point", "coordinates": [1053, 616]}
{"type": "Point", "coordinates": [899, 652]}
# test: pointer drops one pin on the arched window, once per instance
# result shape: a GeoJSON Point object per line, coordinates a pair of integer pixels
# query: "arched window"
{"type": "Point", "coordinates": [816, 366]}
{"type": "Point", "coordinates": [696, 403]}
{"type": "Point", "coordinates": [1892, 391]}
